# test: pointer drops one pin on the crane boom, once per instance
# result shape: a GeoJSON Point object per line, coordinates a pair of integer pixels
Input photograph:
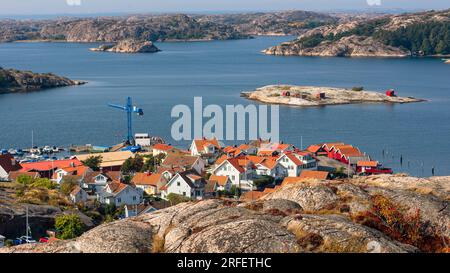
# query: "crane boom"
{"type": "Point", "coordinates": [129, 109]}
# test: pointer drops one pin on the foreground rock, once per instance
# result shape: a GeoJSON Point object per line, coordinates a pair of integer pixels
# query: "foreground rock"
{"type": "Point", "coordinates": [308, 96]}
{"type": "Point", "coordinates": [129, 46]}
{"type": "Point", "coordinates": [313, 216]}
{"type": "Point", "coordinates": [12, 80]}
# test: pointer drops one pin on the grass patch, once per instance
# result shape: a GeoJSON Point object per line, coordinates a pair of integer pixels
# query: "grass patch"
{"type": "Point", "coordinates": [395, 221]}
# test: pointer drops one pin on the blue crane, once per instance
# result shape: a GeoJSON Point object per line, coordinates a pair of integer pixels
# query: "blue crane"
{"type": "Point", "coordinates": [129, 109]}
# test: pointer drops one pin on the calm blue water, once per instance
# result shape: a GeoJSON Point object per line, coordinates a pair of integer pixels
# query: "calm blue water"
{"type": "Point", "coordinates": [219, 71]}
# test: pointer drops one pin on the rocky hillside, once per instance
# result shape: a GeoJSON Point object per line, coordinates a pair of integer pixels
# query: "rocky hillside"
{"type": "Point", "coordinates": [275, 23]}
{"type": "Point", "coordinates": [426, 33]}
{"type": "Point", "coordinates": [163, 27]}
{"type": "Point", "coordinates": [367, 214]}
{"type": "Point", "coordinates": [113, 29]}
{"type": "Point", "coordinates": [12, 80]}
{"type": "Point", "coordinates": [129, 46]}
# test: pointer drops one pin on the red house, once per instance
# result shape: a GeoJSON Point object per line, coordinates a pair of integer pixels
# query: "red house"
{"type": "Point", "coordinates": [372, 167]}
{"type": "Point", "coordinates": [390, 93]}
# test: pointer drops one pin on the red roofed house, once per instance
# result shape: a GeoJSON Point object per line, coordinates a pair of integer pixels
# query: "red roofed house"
{"type": "Point", "coordinates": [320, 175]}
{"type": "Point", "coordinates": [47, 168]}
{"type": "Point", "coordinates": [223, 182]}
{"type": "Point", "coordinates": [371, 167]}
{"type": "Point", "coordinates": [78, 195]}
{"type": "Point", "coordinates": [59, 174]}
{"type": "Point", "coordinates": [119, 194]}
{"type": "Point", "coordinates": [96, 181]}
{"type": "Point", "coordinates": [188, 184]}
{"type": "Point", "coordinates": [149, 183]}
{"type": "Point", "coordinates": [7, 164]}
{"type": "Point", "coordinates": [248, 149]}
{"type": "Point", "coordinates": [272, 167]}
{"type": "Point", "coordinates": [161, 149]}
{"type": "Point", "coordinates": [184, 163]}
{"type": "Point", "coordinates": [240, 171]}
{"type": "Point", "coordinates": [209, 147]}
{"type": "Point", "coordinates": [294, 163]}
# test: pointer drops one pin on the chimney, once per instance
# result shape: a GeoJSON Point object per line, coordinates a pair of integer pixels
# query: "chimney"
{"type": "Point", "coordinates": [13, 162]}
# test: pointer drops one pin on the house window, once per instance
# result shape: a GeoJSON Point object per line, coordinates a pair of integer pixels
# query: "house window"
{"type": "Point", "coordinates": [178, 184]}
{"type": "Point", "coordinates": [134, 198]}
{"type": "Point", "coordinates": [184, 193]}
{"type": "Point", "coordinates": [119, 200]}
{"type": "Point", "coordinates": [233, 177]}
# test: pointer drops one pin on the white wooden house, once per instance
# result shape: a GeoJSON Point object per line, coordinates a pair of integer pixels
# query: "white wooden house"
{"type": "Point", "coordinates": [294, 163]}
{"type": "Point", "coordinates": [120, 194]}
{"type": "Point", "coordinates": [188, 184]}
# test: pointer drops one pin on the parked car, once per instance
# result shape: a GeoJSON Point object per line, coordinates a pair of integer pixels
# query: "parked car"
{"type": "Point", "coordinates": [24, 240]}
{"type": "Point", "coordinates": [43, 240]}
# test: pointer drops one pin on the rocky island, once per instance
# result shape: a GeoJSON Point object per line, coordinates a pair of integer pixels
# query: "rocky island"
{"type": "Point", "coordinates": [383, 213]}
{"type": "Point", "coordinates": [128, 46]}
{"type": "Point", "coordinates": [14, 81]}
{"type": "Point", "coordinates": [320, 96]}
{"type": "Point", "coordinates": [416, 34]}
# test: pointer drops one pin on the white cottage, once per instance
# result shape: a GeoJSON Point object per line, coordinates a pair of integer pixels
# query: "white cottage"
{"type": "Point", "coordinates": [188, 184]}
{"type": "Point", "coordinates": [120, 194]}
{"type": "Point", "coordinates": [78, 195]}
{"type": "Point", "coordinates": [240, 171]}
{"type": "Point", "coordinates": [295, 163]}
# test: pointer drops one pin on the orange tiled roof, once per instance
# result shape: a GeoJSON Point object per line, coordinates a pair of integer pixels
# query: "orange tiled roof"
{"type": "Point", "coordinates": [314, 148]}
{"type": "Point", "coordinates": [117, 187]}
{"type": "Point", "coordinates": [202, 143]}
{"type": "Point", "coordinates": [314, 175]}
{"type": "Point", "coordinates": [244, 146]}
{"type": "Point", "coordinates": [162, 147]}
{"type": "Point", "coordinates": [179, 161]}
{"type": "Point", "coordinates": [270, 163]}
{"type": "Point", "coordinates": [294, 159]}
{"type": "Point", "coordinates": [50, 165]}
{"type": "Point", "coordinates": [368, 164]}
{"type": "Point", "coordinates": [221, 159]}
{"type": "Point", "coordinates": [146, 179]}
{"type": "Point", "coordinates": [221, 180]}
{"type": "Point", "coordinates": [350, 151]}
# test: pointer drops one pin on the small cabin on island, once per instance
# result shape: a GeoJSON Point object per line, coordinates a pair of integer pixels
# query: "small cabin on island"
{"type": "Point", "coordinates": [286, 94]}
{"type": "Point", "coordinates": [390, 93]}
{"type": "Point", "coordinates": [320, 95]}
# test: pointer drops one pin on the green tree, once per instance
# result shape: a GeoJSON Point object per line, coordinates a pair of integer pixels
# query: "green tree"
{"type": "Point", "coordinates": [68, 226]}
{"type": "Point", "coordinates": [44, 183]}
{"type": "Point", "coordinates": [133, 165]}
{"type": "Point", "coordinates": [24, 180]}
{"type": "Point", "coordinates": [151, 162]}
{"type": "Point", "coordinates": [93, 162]}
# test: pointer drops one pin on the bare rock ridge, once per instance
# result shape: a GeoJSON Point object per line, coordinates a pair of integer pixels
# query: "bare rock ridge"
{"type": "Point", "coordinates": [313, 216]}
{"type": "Point", "coordinates": [388, 36]}
{"type": "Point", "coordinates": [129, 46]}
{"type": "Point", "coordinates": [307, 96]}
{"type": "Point", "coordinates": [12, 80]}
{"type": "Point", "coordinates": [173, 27]}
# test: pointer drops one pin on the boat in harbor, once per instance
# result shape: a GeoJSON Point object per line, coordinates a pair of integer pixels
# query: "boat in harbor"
{"type": "Point", "coordinates": [447, 61]}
